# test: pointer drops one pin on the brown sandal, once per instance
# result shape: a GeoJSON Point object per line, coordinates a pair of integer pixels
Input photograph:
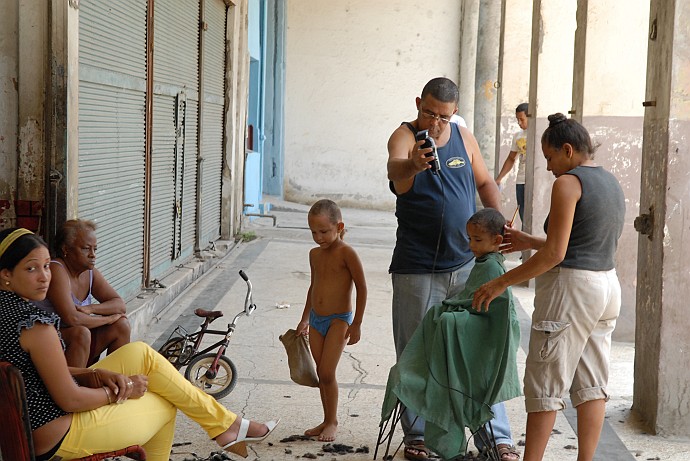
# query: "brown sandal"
{"type": "Point", "coordinates": [507, 452]}
{"type": "Point", "coordinates": [417, 451]}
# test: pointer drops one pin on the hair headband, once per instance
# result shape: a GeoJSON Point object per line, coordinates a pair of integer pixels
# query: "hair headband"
{"type": "Point", "coordinates": [10, 239]}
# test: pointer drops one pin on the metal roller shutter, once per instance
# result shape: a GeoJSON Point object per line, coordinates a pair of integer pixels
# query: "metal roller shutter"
{"type": "Point", "coordinates": [163, 179]}
{"type": "Point", "coordinates": [190, 170]}
{"type": "Point", "coordinates": [174, 140]}
{"type": "Point", "coordinates": [213, 74]}
{"type": "Point", "coordinates": [112, 85]}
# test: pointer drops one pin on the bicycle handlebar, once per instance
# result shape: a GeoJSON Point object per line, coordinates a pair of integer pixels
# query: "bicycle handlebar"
{"type": "Point", "coordinates": [249, 305]}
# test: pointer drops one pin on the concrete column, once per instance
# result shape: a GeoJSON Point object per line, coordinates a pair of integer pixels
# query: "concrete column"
{"type": "Point", "coordinates": [72, 100]}
{"type": "Point", "coordinates": [662, 342]}
{"type": "Point", "coordinates": [550, 88]}
{"type": "Point", "coordinates": [62, 112]}
{"type": "Point", "coordinates": [229, 207]}
{"type": "Point", "coordinates": [236, 90]}
{"type": "Point", "coordinates": [513, 88]}
{"type": "Point", "coordinates": [31, 158]}
{"type": "Point", "coordinates": [606, 89]}
{"type": "Point", "coordinates": [468, 60]}
{"type": "Point", "coordinates": [8, 108]}
{"type": "Point", "coordinates": [242, 97]}
{"type": "Point", "coordinates": [486, 79]}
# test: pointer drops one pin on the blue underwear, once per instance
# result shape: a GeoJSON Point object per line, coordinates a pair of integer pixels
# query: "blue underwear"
{"type": "Point", "coordinates": [322, 323]}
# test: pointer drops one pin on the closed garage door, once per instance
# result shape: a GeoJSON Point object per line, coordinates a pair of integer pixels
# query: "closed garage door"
{"type": "Point", "coordinates": [112, 90]}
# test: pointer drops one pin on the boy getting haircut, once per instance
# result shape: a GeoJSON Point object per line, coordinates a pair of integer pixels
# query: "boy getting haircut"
{"type": "Point", "coordinates": [489, 219]}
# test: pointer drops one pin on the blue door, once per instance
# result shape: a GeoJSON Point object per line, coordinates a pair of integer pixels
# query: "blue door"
{"type": "Point", "coordinates": [253, 181]}
{"type": "Point", "coordinates": [275, 100]}
{"type": "Point", "coordinates": [265, 133]}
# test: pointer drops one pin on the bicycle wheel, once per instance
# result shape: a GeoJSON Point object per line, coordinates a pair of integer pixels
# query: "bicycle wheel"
{"type": "Point", "coordinates": [220, 385]}
{"type": "Point", "coordinates": [176, 351]}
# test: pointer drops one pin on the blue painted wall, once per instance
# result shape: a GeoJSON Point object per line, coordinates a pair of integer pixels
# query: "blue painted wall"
{"type": "Point", "coordinates": [274, 109]}
{"type": "Point", "coordinates": [253, 181]}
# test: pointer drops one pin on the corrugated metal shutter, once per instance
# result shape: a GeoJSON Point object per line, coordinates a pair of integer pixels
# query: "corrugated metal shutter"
{"type": "Point", "coordinates": [112, 85]}
{"type": "Point", "coordinates": [213, 75]}
{"type": "Point", "coordinates": [189, 205]}
{"type": "Point", "coordinates": [174, 140]}
{"type": "Point", "coordinates": [162, 179]}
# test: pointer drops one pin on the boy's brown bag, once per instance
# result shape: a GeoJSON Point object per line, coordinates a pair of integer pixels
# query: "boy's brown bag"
{"type": "Point", "coordinates": [301, 364]}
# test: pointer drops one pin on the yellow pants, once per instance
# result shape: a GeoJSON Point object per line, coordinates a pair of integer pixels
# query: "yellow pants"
{"type": "Point", "coordinates": [148, 421]}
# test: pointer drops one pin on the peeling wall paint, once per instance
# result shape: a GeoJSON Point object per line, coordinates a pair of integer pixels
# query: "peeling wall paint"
{"type": "Point", "coordinates": [8, 112]}
{"type": "Point", "coordinates": [674, 267]}
{"type": "Point", "coordinates": [31, 161]}
{"type": "Point", "coordinates": [620, 152]}
{"type": "Point", "coordinates": [7, 214]}
{"type": "Point", "coordinates": [8, 107]}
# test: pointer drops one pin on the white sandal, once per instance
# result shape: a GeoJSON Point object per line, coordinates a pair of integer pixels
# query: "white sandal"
{"type": "Point", "coordinates": [239, 445]}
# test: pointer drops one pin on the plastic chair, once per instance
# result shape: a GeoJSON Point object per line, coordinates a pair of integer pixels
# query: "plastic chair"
{"type": "Point", "coordinates": [16, 442]}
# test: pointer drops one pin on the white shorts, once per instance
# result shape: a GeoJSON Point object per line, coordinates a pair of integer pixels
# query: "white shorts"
{"type": "Point", "coordinates": [575, 312]}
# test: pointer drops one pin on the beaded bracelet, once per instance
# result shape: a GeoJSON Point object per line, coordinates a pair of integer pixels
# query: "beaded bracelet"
{"type": "Point", "coordinates": [107, 393]}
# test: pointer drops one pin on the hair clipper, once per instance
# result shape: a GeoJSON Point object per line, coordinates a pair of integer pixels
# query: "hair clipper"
{"type": "Point", "coordinates": [423, 135]}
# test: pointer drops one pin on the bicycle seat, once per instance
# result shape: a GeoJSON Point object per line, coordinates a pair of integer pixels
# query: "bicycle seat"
{"type": "Point", "coordinates": [208, 314]}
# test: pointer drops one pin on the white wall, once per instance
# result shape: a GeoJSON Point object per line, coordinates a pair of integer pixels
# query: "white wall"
{"type": "Point", "coordinates": [615, 58]}
{"type": "Point", "coordinates": [353, 71]}
{"type": "Point", "coordinates": [613, 88]}
{"type": "Point", "coordinates": [514, 89]}
{"type": "Point", "coordinates": [551, 83]}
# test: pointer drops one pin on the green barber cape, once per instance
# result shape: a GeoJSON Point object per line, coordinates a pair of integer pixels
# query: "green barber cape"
{"type": "Point", "coordinates": [458, 363]}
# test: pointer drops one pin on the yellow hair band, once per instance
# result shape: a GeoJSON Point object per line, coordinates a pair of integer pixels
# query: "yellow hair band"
{"type": "Point", "coordinates": [9, 240]}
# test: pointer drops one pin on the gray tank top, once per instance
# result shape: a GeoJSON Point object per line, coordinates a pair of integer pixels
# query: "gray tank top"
{"type": "Point", "coordinates": [598, 221]}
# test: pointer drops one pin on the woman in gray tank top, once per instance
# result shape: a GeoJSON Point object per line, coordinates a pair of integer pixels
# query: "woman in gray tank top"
{"type": "Point", "coordinates": [577, 294]}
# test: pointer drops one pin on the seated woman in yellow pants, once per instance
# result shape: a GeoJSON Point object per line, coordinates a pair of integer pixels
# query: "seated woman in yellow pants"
{"type": "Point", "coordinates": [141, 394]}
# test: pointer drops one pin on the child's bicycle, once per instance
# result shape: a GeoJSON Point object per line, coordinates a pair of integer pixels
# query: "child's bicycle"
{"type": "Point", "coordinates": [212, 372]}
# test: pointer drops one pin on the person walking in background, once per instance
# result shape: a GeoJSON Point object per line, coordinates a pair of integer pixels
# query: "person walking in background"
{"type": "Point", "coordinates": [518, 152]}
{"type": "Point", "coordinates": [432, 258]}
{"type": "Point", "coordinates": [577, 294]}
{"type": "Point", "coordinates": [328, 317]}
{"type": "Point", "coordinates": [93, 316]}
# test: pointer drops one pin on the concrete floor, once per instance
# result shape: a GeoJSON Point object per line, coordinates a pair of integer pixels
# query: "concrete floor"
{"type": "Point", "coordinates": [277, 264]}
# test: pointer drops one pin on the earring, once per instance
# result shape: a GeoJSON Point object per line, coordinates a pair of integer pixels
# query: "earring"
{"type": "Point", "coordinates": [7, 282]}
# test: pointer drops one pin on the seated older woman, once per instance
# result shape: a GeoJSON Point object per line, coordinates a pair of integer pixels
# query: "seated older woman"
{"type": "Point", "coordinates": [93, 316]}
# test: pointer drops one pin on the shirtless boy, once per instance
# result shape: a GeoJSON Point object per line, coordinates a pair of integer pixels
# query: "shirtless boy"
{"type": "Point", "coordinates": [328, 318]}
